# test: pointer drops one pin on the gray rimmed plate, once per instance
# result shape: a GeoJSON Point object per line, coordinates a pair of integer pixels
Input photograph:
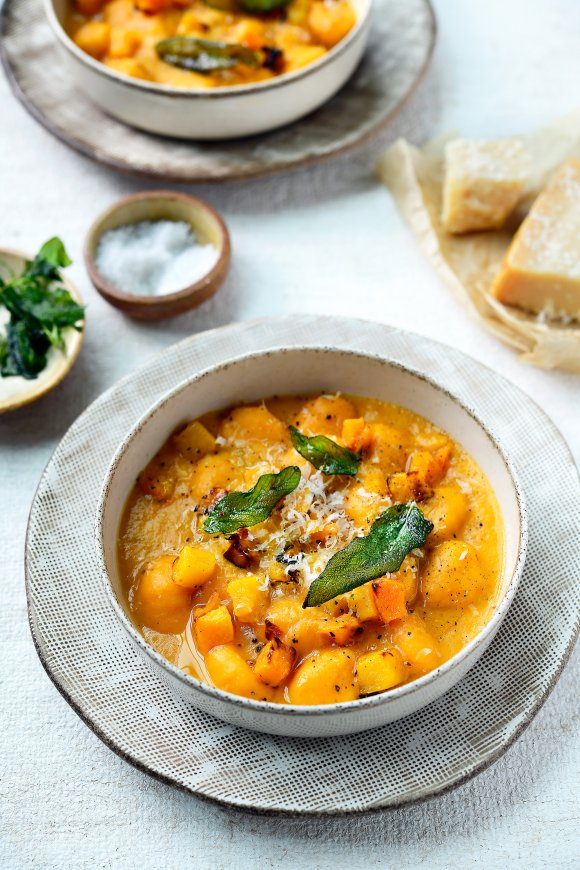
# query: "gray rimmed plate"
{"type": "Point", "coordinates": [398, 54]}
{"type": "Point", "coordinates": [92, 662]}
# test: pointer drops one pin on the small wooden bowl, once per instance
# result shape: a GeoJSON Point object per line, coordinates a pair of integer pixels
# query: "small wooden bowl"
{"type": "Point", "coordinates": [154, 205]}
{"type": "Point", "coordinates": [62, 363]}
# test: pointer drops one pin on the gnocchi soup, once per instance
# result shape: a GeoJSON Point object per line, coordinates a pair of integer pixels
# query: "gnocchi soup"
{"type": "Point", "coordinates": [310, 549]}
{"type": "Point", "coordinates": [208, 43]}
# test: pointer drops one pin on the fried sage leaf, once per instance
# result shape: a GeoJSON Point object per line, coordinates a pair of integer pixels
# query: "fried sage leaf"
{"type": "Point", "coordinates": [50, 259]}
{"type": "Point", "coordinates": [239, 510]}
{"type": "Point", "coordinates": [205, 55]}
{"type": "Point", "coordinates": [324, 453]}
{"type": "Point", "coordinates": [263, 5]}
{"type": "Point", "coordinates": [395, 533]}
{"type": "Point", "coordinates": [40, 309]}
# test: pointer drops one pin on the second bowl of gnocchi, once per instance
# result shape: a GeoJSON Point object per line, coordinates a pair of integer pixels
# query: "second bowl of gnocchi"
{"type": "Point", "coordinates": [210, 70]}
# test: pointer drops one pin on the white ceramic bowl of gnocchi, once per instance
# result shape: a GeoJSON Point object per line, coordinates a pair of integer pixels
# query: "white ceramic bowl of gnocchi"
{"type": "Point", "coordinates": [213, 113]}
{"type": "Point", "coordinates": [294, 371]}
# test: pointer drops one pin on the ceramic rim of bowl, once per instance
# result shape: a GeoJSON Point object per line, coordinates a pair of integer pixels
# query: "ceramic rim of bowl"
{"type": "Point", "coordinates": [206, 93]}
{"type": "Point", "coordinates": [46, 386]}
{"type": "Point", "coordinates": [348, 707]}
{"type": "Point", "coordinates": [210, 282]}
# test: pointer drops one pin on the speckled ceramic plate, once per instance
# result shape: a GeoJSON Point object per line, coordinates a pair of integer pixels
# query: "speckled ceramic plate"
{"type": "Point", "coordinates": [97, 669]}
{"type": "Point", "coordinates": [400, 47]}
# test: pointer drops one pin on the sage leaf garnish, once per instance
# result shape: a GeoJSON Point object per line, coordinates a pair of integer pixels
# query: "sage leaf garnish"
{"type": "Point", "coordinates": [205, 55]}
{"type": "Point", "coordinates": [263, 5]}
{"type": "Point", "coordinates": [324, 453]}
{"type": "Point", "coordinates": [398, 530]}
{"type": "Point", "coordinates": [239, 510]}
{"type": "Point", "coordinates": [40, 309]}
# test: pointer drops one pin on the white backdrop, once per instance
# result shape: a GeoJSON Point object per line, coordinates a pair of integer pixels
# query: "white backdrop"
{"type": "Point", "coordinates": [323, 240]}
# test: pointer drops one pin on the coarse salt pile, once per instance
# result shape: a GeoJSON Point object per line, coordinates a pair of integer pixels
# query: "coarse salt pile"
{"type": "Point", "coordinates": [153, 258]}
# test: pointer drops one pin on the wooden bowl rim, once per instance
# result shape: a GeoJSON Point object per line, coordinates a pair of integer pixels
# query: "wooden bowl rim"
{"type": "Point", "coordinates": [136, 302]}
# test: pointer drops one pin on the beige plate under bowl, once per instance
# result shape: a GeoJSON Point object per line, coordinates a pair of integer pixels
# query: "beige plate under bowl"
{"type": "Point", "coordinates": [156, 205]}
{"type": "Point", "coordinates": [59, 365]}
{"type": "Point", "coordinates": [399, 50]}
{"type": "Point", "coordinates": [96, 667]}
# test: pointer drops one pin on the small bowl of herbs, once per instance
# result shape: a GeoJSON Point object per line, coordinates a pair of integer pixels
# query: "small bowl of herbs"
{"type": "Point", "coordinates": [41, 323]}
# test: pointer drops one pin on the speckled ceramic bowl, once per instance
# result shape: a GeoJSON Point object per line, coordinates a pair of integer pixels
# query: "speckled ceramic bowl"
{"type": "Point", "coordinates": [307, 370]}
{"type": "Point", "coordinates": [213, 113]}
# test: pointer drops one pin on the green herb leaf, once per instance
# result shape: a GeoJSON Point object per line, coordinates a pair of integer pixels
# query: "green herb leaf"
{"type": "Point", "coordinates": [33, 300]}
{"type": "Point", "coordinates": [393, 535]}
{"type": "Point", "coordinates": [324, 453]}
{"type": "Point", "coordinates": [205, 55]}
{"type": "Point", "coordinates": [51, 257]}
{"type": "Point", "coordinates": [239, 510]}
{"type": "Point", "coordinates": [25, 353]}
{"type": "Point", "coordinates": [224, 5]}
{"type": "Point", "coordinates": [40, 309]}
{"type": "Point", "coordinates": [263, 5]}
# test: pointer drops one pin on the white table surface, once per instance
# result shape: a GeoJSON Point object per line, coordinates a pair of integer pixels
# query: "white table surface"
{"type": "Point", "coordinates": [323, 240]}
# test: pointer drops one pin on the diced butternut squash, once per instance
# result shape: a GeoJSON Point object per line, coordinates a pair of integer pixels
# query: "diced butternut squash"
{"type": "Point", "coordinates": [253, 424]}
{"type": "Point", "coordinates": [193, 567]}
{"type": "Point", "coordinates": [93, 37]}
{"type": "Point", "coordinates": [416, 644]}
{"type": "Point", "coordinates": [390, 596]}
{"type": "Point", "coordinates": [249, 32]}
{"type": "Point", "coordinates": [363, 603]}
{"type": "Point", "coordinates": [228, 670]}
{"type": "Point", "coordinates": [407, 486]}
{"type": "Point", "coordinates": [195, 441]}
{"type": "Point", "coordinates": [214, 628]}
{"type": "Point", "coordinates": [453, 576]}
{"type": "Point", "coordinates": [299, 56]}
{"type": "Point", "coordinates": [124, 43]}
{"type": "Point", "coordinates": [325, 416]}
{"type": "Point", "coordinates": [408, 575]}
{"type": "Point", "coordinates": [297, 12]}
{"type": "Point", "coordinates": [380, 670]}
{"type": "Point", "coordinates": [440, 460]}
{"type": "Point", "coordinates": [431, 467]}
{"type": "Point", "coordinates": [274, 662]}
{"type": "Point", "coordinates": [325, 677]}
{"type": "Point", "coordinates": [157, 602]}
{"type": "Point", "coordinates": [250, 597]}
{"type": "Point", "coordinates": [447, 510]}
{"type": "Point", "coordinates": [340, 630]}
{"type": "Point", "coordinates": [356, 435]}
{"type": "Point", "coordinates": [190, 24]}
